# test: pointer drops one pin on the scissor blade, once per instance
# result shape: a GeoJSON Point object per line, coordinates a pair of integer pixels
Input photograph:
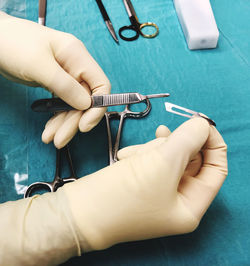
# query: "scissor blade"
{"type": "Point", "coordinates": [107, 20]}
{"type": "Point", "coordinates": [111, 30]}
{"type": "Point", "coordinates": [173, 108]}
{"type": "Point", "coordinates": [129, 8]}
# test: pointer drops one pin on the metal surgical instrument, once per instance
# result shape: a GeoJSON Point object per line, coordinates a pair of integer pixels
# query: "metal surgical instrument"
{"type": "Point", "coordinates": [42, 12]}
{"type": "Point", "coordinates": [56, 104]}
{"type": "Point", "coordinates": [58, 180]}
{"type": "Point", "coordinates": [170, 107]}
{"type": "Point", "coordinates": [136, 26]}
{"type": "Point", "coordinates": [126, 113]}
{"type": "Point", "coordinates": [107, 19]}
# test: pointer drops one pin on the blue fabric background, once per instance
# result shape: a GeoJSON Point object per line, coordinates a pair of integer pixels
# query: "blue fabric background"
{"type": "Point", "coordinates": [215, 82]}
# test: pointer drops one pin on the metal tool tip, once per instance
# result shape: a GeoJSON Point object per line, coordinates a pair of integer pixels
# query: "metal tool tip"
{"type": "Point", "coordinates": [210, 121]}
{"type": "Point", "coordinates": [160, 95]}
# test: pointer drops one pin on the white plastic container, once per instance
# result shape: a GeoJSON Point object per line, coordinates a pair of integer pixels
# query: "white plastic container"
{"type": "Point", "coordinates": [198, 23]}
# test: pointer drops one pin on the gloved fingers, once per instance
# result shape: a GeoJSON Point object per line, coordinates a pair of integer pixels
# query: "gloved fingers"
{"type": "Point", "coordinates": [215, 160]}
{"type": "Point", "coordinates": [74, 58]}
{"type": "Point", "coordinates": [200, 191]}
{"type": "Point", "coordinates": [160, 133]}
{"type": "Point", "coordinates": [36, 63]}
{"type": "Point", "coordinates": [194, 166]}
{"type": "Point", "coordinates": [183, 144]}
{"type": "Point", "coordinates": [55, 60]}
{"type": "Point", "coordinates": [61, 128]}
{"type": "Point", "coordinates": [140, 149]}
{"type": "Point", "coordinates": [52, 126]}
{"type": "Point", "coordinates": [91, 118]}
{"type": "Point", "coordinates": [68, 129]}
{"type": "Point", "coordinates": [67, 88]}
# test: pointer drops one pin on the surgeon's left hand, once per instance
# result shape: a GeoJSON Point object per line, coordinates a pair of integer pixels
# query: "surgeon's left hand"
{"type": "Point", "coordinates": [39, 56]}
{"type": "Point", "coordinates": [158, 189]}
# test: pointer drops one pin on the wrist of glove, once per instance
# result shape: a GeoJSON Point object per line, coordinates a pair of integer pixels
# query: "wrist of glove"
{"type": "Point", "coordinates": [38, 231]}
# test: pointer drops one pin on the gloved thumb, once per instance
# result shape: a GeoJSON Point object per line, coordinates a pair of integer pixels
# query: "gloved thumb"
{"type": "Point", "coordinates": [183, 144]}
{"type": "Point", "coordinates": [161, 133]}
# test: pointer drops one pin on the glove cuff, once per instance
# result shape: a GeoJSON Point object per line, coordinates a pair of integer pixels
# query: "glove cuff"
{"type": "Point", "coordinates": [38, 231]}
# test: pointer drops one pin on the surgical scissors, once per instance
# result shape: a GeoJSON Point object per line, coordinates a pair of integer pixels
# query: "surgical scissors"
{"type": "Point", "coordinates": [136, 26]}
{"type": "Point", "coordinates": [121, 116]}
{"type": "Point", "coordinates": [58, 180]}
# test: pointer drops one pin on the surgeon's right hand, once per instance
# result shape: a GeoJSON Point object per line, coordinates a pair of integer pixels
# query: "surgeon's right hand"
{"type": "Point", "coordinates": [39, 56]}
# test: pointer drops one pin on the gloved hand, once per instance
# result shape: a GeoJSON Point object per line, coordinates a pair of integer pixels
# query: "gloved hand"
{"type": "Point", "coordinates": [39, 56]}
{"type": "Point", "coordinates": [155, 190]}
{"type": "Point", "coordinates": [159, 189]}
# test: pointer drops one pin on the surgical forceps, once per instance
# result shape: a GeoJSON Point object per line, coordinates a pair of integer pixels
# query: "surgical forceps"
{"type": "Point", "coordinates": [58, 180]}
{"type": "Point", "coordinates": [136, 26]}
{"type": "Point", "coordinates": [56, 104]}
{"type": "Point", "coordinates": [173, 108]}
{"type": "Point", "coordinates": [121, 116]}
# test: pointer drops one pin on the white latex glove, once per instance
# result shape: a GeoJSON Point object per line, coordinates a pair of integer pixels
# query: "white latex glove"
{"type": "Point", "coordinates": [161, 192]}
{"type": "Point", "coordinates": [161, 133]}
{"type": "Point", "coordinates": [39, 56]}
{"type": "Point", "coordinates": [150, 194]}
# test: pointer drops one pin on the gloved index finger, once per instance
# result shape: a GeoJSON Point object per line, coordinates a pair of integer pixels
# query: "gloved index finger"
{"type": "Point", "coordinates": [77, 61]}
{"type": "Point", "coordinates": [69, 89]}
{"type": "Point", "coordinates": [214, 160]}
{"type": "Point", "coordinates": [183, 144]}
{"type": "Point", "coordinates": [199, 191]}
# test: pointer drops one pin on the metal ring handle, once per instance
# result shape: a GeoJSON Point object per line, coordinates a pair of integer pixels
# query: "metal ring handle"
{"type": "Point", "coordinates": [146, 111]}
{"type": "Point", "coordinates": [149, 24]}
{"type": "Point", "coordinates": [131, 27]}
{"type": "Point", "coordinates": [67, 180]}
{"type": "Point", "coordinates": [36, 187]}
